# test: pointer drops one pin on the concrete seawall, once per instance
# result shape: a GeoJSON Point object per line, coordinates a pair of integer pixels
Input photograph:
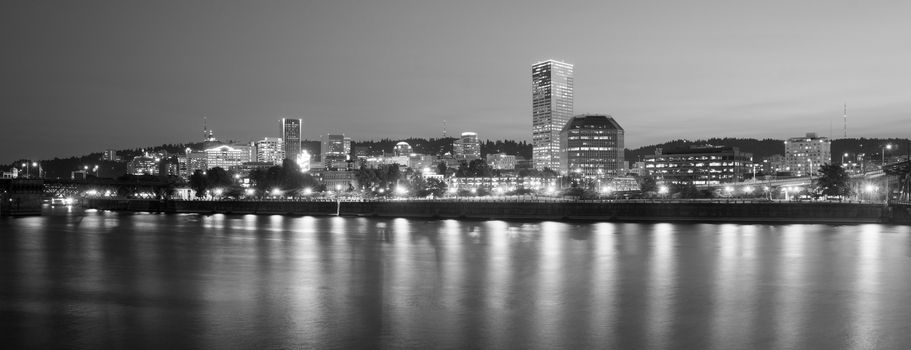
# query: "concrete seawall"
{"type": "Point", "coordinates": [816, 212]}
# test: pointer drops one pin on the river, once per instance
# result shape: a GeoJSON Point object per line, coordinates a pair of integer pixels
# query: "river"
{"type": "Point", "coordinates": [95, 279]}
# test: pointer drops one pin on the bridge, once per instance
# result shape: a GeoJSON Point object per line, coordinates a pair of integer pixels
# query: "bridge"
{"type": "Point", "coordinates": [62, 188]}
{"type": "Point", "coordinates": [902, 171]}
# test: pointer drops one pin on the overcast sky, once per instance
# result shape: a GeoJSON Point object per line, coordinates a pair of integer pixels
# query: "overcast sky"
{"type": "Point", "coordinates": [83, 76]}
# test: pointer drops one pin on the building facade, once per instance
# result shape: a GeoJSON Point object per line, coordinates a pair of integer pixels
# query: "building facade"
{"type": "Point", "coordinates": [501, 161]}
{"type": "Point", "coordinates": [592, 146]}
{"type": "Point", "coordinates": [552, 107]}
{"type": "Point", "coordinates": [700, 165]}
{"type": "Point", "coordinates": [270, 150]}
{"type": "Point", "coordinates": [291, 137]}
{"type": "Point", "coordinates": [226, 156]}
{"type": "Point", "coordinates": [467, 147]}
{"type": "Point", "coordinates": [804, 155]}
{"type": "Point", "coordinates": [335, 151]}
{"type": "Point", "coordinates": [143, 165]}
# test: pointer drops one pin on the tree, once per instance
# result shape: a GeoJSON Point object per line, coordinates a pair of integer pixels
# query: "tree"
{"type": "Point", "coordinates": [199, 183]}
{"type": "Point", "coordinates": [475, 168]}
{"type": "Point", "coordinates": [441, 168]}
{"type": "Point", "coordinates": [685, 190]}
{"type": "Point", "coordinates": [217, 177]}
{"type": "Point", "coordinates": [647, 184]}
{"type": "Point", "coordinates": [832, 181]}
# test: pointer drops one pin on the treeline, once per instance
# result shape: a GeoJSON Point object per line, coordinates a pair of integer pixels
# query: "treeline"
{"type": "Point", "coordinates": [63, 167]}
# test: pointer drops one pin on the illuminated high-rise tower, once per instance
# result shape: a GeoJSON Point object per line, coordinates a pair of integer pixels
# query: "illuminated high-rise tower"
{"type": "Point", "coordinates": [552, 107]}
{"type": "Point", "coordinates": [291, 136]}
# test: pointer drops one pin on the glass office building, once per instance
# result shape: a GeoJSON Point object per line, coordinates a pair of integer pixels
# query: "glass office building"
{"type": "Point", "coordinates": [552, 107]}
{"type": "Point", "coordinates": [291, 136]}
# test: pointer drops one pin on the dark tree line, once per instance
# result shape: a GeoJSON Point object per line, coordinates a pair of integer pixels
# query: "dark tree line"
{"type": "Point", "coordinates": [385, 177]}
{"type": "Point", "coordinates": [288, 178]}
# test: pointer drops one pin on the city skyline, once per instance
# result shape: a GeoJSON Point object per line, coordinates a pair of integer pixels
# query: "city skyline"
{"type": "Point", "coordinates": [92, 76]}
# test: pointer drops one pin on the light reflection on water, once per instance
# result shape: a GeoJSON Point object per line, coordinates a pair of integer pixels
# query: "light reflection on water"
{"type": "Point", "coordinates": [116, 280]}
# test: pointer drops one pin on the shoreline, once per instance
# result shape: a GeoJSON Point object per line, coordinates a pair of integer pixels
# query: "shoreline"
{"type": "Point", "coordinates": [589, 211]}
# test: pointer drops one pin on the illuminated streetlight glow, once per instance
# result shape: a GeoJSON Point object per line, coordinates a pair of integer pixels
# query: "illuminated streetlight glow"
{"type": "Point", "coordinates": [663, 189]}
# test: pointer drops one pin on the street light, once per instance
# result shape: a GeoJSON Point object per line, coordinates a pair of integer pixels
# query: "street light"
{"type": "Point", "coordinates": [888, 146]}
{"type": "Point", "coordinates": [870, 188]}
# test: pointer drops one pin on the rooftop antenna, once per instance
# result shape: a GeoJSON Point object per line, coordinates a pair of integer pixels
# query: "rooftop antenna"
{"type": "Point", "coordinates": [444, 128]}
{"type": "Point", "coordinates": [207, 135]}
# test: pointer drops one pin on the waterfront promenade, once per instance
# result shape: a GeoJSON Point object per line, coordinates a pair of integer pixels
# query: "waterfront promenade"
{"type": "Point", "coordinates": [517, 208]}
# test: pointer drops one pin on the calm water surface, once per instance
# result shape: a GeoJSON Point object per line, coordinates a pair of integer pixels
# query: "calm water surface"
{"type": "Point", "coordinates": [117, 280]}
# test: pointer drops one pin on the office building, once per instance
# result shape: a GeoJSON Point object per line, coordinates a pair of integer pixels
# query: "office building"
{"type": "Point", "coordinates": [291, 136]}
{"type": "Point", "coordinates": [146, 164]}
{"type": "Point", "coordinates": [552, 107]}
{"type": "Point", "coordinates": [335, 151]}
{"type": "Point", "coordinates": [700, 165]}
{"type": "Point", "coordinates": [592, 146]}
{"type": "Point", "coordinates": [467, 147]}
{"type": "Point", "coordinates": [804, 155]}
{"type": "Point", "coordinates": [270, 150]}
{"type": "Point", "coordinates": [226, 156]}
{"type": "Point", "coordinates": [501, 161]}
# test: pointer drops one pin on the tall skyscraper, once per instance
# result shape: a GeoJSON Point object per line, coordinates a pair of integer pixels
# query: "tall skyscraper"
{"type": "Point", "coordinates": [552, 107]}
{"type": "Point", "coordinates": [291, 136]}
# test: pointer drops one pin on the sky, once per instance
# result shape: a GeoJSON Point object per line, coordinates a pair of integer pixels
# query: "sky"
{"type": "Point", "coordinates": [83, 76]}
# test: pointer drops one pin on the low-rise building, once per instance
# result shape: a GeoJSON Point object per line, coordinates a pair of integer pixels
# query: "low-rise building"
{"type": "Point", "coordinates": [146, 164]}
{"type": "Point", "coordinates": [505, 184]}
{"type": "Point", "coordinates": [338, 179]}
{"type": "Point", "coordinates": [501, 161]}
{"type": "Point", "coordinates": [700, 165]}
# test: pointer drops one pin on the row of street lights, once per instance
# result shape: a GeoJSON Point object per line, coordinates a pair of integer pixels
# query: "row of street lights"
{"type": "Point", "coordinates": [28, 165]}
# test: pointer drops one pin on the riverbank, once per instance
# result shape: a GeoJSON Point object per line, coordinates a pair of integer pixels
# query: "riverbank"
{"type": "Point", "coordinates": [615, 211]}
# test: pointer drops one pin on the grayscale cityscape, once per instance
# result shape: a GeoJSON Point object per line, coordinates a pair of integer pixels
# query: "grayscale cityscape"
{"type": "Point", "coordinates": [396, 175]}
